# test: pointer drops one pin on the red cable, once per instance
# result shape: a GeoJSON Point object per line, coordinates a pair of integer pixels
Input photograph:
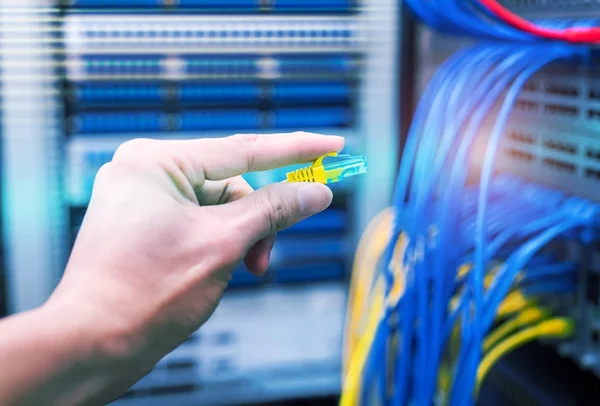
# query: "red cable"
{"type": "Point", "coordinates": [579, 35]}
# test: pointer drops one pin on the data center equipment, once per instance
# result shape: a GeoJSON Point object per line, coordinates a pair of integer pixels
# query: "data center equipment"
{"type": "Point", "coordinates": [550, 138]}
{"type": "Point", "coordinates": [80, 77]}
{"type": "Point", "coordinates": [466, 266]}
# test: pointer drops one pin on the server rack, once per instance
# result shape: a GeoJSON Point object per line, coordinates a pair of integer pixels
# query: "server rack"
{"type": "Point", "coordinates": [99, 73]}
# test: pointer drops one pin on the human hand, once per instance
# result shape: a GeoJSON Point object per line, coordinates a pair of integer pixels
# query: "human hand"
{"type": "Point", "coordinates": [167, 224]}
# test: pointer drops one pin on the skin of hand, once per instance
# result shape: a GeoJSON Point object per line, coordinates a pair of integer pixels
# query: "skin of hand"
{"type": "Point", "coordinates": [167, 224]}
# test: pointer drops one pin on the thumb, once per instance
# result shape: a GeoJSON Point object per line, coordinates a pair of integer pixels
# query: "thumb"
{"type": "Point", "coordinates": [275, 207]}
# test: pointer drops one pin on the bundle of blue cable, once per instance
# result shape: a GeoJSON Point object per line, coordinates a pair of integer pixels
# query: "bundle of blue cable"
{"type": "Point", "coordinates": [449, 223]}
{"type": "Point", "coordinates": [472, 18]}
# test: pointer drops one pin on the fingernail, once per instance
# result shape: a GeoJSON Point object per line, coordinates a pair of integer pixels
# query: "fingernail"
{"type": "Point", "coordinates": [313, 198]}
{"type": "Point", "coordinates": [341, 140]}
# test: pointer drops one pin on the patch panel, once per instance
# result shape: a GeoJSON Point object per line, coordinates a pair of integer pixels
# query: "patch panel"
{"type": "Point", "coordinates": [90, 123]}
{"type": "Point", "coordinates": [220, 364]}
{"type": "Point", "coordinates": [142, 73]}
{"type": "Point", "coordinates": [288, 249]}
{"type": "Point", "coordinates": [210, 66]}
{"type": "Point", "coordinates": [143, 4]}
{"type": "Point", "coordinates": [558, 8]}
{"type": "Point", "coordinates": [214, 6]}
{"type": "Point", "coordinates": [89, 96]}
{"type": "Point", "coordinates": [88, 34]}
{"type": "Point", "coordinates": [551, 134]}
{"type": "Point", "coordinates": [309, 273]}
{"type": "Point", "coordinates": [298, 118]}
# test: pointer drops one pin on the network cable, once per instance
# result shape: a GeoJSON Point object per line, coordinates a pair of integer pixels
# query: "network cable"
{"type": "Point", "coordinates": [435, 344]}
{"type": "Point", "coordinates": [554, 328]}
{"type": "Point", "coordinates": [480, 242]}
{"type": "Point", "coordinates": [489, 20]}
{"type": "Point", "coordinates": [571, 34]}
{"type": "Point", "coordinates": [362, 284]}
{"type": "Point", "coordinates": [359, 362]}
{"type": "Point", "coordinates": [432, 198]}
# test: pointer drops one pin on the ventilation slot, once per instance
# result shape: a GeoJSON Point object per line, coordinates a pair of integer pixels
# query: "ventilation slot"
{"type": "Point", "coordinates": [593, 114]}
{"type": "Point", "coordinates": [560, 146]}
{"type": "Point", "coordinates": [520, 155]}
{"type": "Point", "coordinates": [562, 90]}
{"type": "Point", "coordinates": [593, 153]}
{"type": "Point", "coordinates": [561, 110]}
{"type": "Point", "coordinates": [546, 5]}
{"type": "Point", "coordinates": [193, 339]}
{"type": "Point", "coordinates": [162, 391]}
{"type": "Point", "coordinates": [522, 137]}
{"type": "Point", "coordinates": [592, 174]}
{"type": "Point", "coordinates": [179, 365]}
{"type": "Point", "coordinates": [530, 86]}
{"type": "Point", "coordinates": [559, 165]}
{"type": "Point", "coordinates": [527, 105]}
{"type": "Point", "coordinates": [594, 94]}
{"type": "Point", "coordinates": [224, 338]}
{"type": "Point", "coordinates": [523, 3]}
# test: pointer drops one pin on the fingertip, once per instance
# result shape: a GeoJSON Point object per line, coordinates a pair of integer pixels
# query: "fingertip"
{"type": "Point", "coordinates": [258, 258]}
{"type": "Point", "coordinates": [328, 142]}
{"type": "Point", "coordinates": [313, 198]}
{"type": "Point", "coordinates": [337, 139]}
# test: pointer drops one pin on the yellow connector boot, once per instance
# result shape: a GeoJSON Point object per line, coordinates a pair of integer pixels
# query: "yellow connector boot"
{"type": "Point", "coordinates": [340, 167]}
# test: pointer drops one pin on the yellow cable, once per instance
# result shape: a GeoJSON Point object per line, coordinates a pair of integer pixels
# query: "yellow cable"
{"type": "Point", "coordinates": [352, 383]}
{"type": "Point", "coordinates": [370, 249]}
{"type": "Point", "coordinates": [513, 303]}
{"type": "Point", "coordinates": [524, 318]}
{"type": "Point", "coordinates": [358, 337]}
{"type": "Point", "coordinates": [553, 328]}
{"type": "Point", "coordinates": [359, 340]}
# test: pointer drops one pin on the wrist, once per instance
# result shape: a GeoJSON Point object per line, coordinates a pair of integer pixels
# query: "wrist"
{"type": "Point", "coordinates": [56, 357]}
{"type": "Point", "coordinates": [101, 355]}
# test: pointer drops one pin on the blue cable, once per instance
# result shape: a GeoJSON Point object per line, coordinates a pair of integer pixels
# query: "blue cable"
{"type": "Point", "coordinates": [505, 276]}
{"type": "Point", "coordinates": [553, 53]}
{"type": "Point", "coordinates": [422, 190]}
{"type": "Point", "coordinates": [501, 283]}
{"type": "Point", "coordinates": [407, 356]}
{"type": "Point", "coordinates": [403, 213]}
{"type": "Point", "coordinates": [426, 155]}
{"type": "Point", "coordinates": [371, 367]}
{"type": "Point", "coordinates": [427, 147]}
{"type": "Point", "coordinates": [439, 297]}
{"type": "Point", "coordinates": [472, 18]}
{"type": "Point", "coordinates": [420, 205]}
{"type": "Point", "coordinates": [458, 172]}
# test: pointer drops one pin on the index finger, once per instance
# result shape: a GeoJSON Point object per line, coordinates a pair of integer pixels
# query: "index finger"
{"type": "Point", "coordinates": [224, 158]}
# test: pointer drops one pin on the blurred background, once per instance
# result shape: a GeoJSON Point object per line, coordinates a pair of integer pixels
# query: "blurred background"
{"type": "Point", "coordinates": [79, 77]}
